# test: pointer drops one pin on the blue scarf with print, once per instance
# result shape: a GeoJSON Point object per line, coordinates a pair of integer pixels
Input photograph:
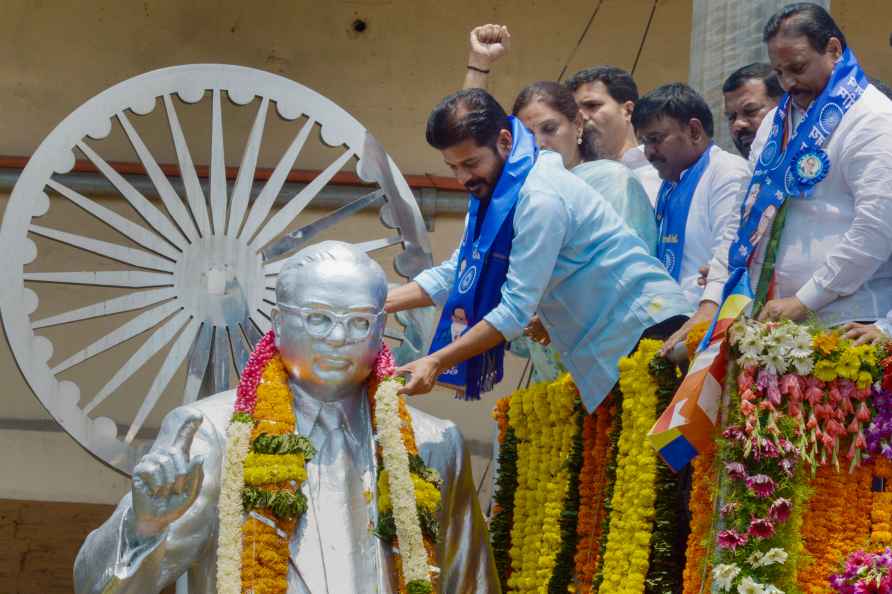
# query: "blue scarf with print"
{"type": "Point", "coordinates": [482, 268]}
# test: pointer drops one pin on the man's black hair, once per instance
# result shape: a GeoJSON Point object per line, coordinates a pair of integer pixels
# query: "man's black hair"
{"type": "Point", "coordinates": [755, 71]}
{"type": "Point", "coordinates": [620, 84]}
{"type": "Point", "coordinates": [805, 18]}
{"type": "Point", "coordinates": [677, 101]}
{"type": "Point", "coordinates": [469, 113]}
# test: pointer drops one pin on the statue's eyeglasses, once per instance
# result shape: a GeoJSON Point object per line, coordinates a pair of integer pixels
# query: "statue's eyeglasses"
{"type": "Point", "coordinates": [319, 323]}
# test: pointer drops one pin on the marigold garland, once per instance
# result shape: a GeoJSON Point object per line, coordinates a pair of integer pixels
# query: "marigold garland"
{"type": "Point", "coordinates": [402, 498]}
{"type": "Point", "coordinates": [502, 517]}
{"type": "Point", "coordinates": [631, 520]}
{"type": "Point", "coordinates": [881, 509]}
{"type": "Point", "coordinates": [592, 492]}
{"type": "Point", "coordinates": [836, 521]}
{"type": "Point", "coordinates": [542, 416]}
{"type": "Point", "coordinates": [670, 533]}
{"type": "Point", "coordinates": [562, 574]}
{"type": "Point", "coordinates": [265, 465]}
{"type": "Point", "coordinates": [616, 430]}
{"type": "Point", "coordinates": [698, 566]}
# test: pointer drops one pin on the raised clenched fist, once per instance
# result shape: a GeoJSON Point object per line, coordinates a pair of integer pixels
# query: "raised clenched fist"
{"type": "Point", "coordinates": [166, 481]}
{"type": "Point", "coordinates": [488, 44]}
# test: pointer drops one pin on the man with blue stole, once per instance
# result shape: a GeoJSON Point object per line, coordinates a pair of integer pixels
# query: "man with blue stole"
{"type": "Point", "coordinates": [701, 185]}
{"type": "Point", "coordinates": [538, 240]}
{"type": "Point", "coordinates": [822, 161]}
{"type": "Point", "coordinates": [814, 234]}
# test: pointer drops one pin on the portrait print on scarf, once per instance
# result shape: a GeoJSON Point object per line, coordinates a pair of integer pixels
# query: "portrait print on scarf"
{"type": "Point", "coordinates": [483, 266]}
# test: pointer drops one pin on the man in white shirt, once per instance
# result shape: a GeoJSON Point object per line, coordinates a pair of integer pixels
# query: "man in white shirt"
{"type": "Point", "coordinates": [833, 257]}
{"type": "Point", "coordinates": [606, 96]}
{"type": "Point", "coordinates": [750, 93]}
{"type": "Point", "coordinates": [699, 196]}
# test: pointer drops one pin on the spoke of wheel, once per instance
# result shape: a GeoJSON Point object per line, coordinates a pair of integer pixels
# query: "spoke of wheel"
{"type": "Point", "coordinates": [251, 332]}
{"type": "Point", "coordinates": [265, 308]}
{"type": "Point", "coordinates": [146, 209]}
{"type": "Point", "coordinates": [108, 307]}
{"type": "Point", "coordinates": [280, 221]}
{"type": "Point", "coordinates": [198, 363]}
{"type": "Point", "coordinates": [377, 244]}
{"type": "Point", "coordinates": [169, 196]}
{"type": "Point", "coordinates": [273, 186]}
{"type": "Point", "coordinates": [122, 225]}
{"type": "Point", "coordinates": [294, 240]}
{"type": "Point", "coordinates": [109, 250]}
{"type": "Point", "coordinates": [156, 341]}
{"type": "Point", "coordinates": [240, 353]}
{"type": "Point", "coordinates": [262, 322]}
{"type": "Point", "coordinates": [137, 325]}
{"type": "Point", "coordinates": [105, 278]}
{"type": "Point", "coordinates": [245, 179]}
{"type": "Point", "coordinates": [221, 357]}
{"type": "Point", "coordinates": [172, 362]}
{"type": "Point", "coordinates": [218, 167]}
{"type": "Point", "coordinates": [274, 268]}
{"type": "Point", "coordinates": [194, 193]}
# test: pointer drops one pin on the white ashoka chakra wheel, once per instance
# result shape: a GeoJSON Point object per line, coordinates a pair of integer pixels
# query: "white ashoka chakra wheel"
{"type": "Point", "coordinates": [180, 285]}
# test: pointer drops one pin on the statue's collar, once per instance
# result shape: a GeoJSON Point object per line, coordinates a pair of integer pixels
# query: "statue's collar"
{"type": "Point", "coordinates": [307, 410]}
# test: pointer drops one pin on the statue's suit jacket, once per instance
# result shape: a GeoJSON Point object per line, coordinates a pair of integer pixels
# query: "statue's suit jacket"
{"type": "Point", "coordinates": [112, 561]}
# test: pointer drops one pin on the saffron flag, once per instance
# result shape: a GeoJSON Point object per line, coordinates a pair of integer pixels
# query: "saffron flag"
{"type": "Point", "coordinates": [687, 425]}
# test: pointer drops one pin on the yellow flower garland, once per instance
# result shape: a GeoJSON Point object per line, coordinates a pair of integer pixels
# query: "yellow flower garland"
{"type": "Point", "coordinates": [631, 521]}
{"type": "Point", "coordinates": [543, 418]}
{"type": "Point", "coordinates": [265, 538]}
{"type": "Point", "coordinates": [265, 464]}
{"type": "Point", "coordinates": [881, 510]}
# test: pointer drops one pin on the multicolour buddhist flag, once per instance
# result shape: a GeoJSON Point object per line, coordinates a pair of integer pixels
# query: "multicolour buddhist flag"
{"type": "Point", "coordinates": [687, 425]}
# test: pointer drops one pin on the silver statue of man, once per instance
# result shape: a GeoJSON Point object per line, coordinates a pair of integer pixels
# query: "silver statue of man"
{"type": "Point", "coordinates": [329, 324]}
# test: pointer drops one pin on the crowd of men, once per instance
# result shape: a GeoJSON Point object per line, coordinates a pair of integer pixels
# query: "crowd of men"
{"type": "Point", "coordinates": [583, 261]}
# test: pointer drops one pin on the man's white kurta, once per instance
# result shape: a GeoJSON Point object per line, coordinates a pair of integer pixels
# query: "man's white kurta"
{"type": "Point", "coordinates": [834, 254]}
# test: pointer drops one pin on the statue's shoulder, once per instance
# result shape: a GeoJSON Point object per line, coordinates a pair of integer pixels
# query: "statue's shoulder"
{"type": "Point", "coordinates": [437, 436]}
{"type": "Point", "coordinates": [216, 411]}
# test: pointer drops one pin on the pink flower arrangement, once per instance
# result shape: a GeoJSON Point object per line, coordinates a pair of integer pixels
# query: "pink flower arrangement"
{"type": "Point", "coordinates": [246, 396]}
{"type": "Point", "coordinates": [385, 364]}
{"type": "Point", "coordinates": [780, 510]}
{"type": "Point", "coordinates": [736, 471]}
{"type": "Point", "coordinates": [761, 528]}
{"type": "Point", "coordinates": [731, 539]}
{"type": "Point", "coordinates": [761, 485]}
{"type": "Point", "coordinates": [865, 573]}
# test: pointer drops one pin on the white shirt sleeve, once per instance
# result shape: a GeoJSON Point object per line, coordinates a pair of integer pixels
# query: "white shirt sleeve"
{"type": "Point", "coordinates": [885, 324]}
{"type": "Point", "coordinates": [437, 281]}
{"type": "Point", "coordinates": [718, 265]}
{"type": "Point", "coordinates": [866, 163]}
{"type": "Point", "coordinates": [541, 223]}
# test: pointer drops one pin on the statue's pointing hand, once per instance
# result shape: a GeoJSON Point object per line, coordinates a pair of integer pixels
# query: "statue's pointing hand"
{"type": "Point", "coordinates": [166, 481]}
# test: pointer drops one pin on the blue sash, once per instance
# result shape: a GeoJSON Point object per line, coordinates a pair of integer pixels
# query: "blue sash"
{"type": "Point", "coordinates": [789, 171]}
{"type": "Point", "coordinates": [673, 205]}
{"type": "Point", "coordinates": [482, 269]}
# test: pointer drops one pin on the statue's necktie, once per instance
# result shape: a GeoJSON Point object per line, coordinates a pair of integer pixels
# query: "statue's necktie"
{"type": "Point", "coordinates": [342, 510]}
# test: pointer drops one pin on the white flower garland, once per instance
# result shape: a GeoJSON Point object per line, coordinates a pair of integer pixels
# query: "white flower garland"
{"type": "Point", "coordinates": [402, 491]}
{"type": "Point", "coordinates": [229, 543]}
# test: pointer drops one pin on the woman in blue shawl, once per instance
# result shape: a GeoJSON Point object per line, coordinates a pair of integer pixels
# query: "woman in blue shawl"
{"type": "Point", "coordinates": [549, 110]}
